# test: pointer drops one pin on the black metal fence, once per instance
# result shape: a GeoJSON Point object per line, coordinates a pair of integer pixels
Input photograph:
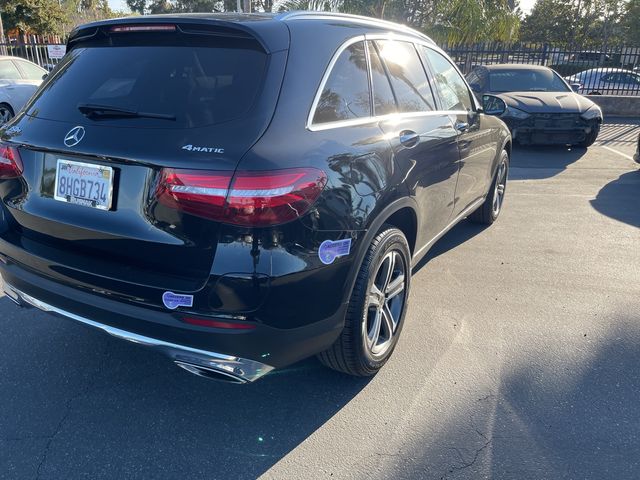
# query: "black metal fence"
{"type": "Point", "coordinates": [611, 70]}
{"type": "Point", "coordinates": [46, 55]}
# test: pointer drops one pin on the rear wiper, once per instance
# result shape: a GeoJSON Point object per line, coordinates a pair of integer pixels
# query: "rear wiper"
{"type": "Point", "coordinates": [103, 111]}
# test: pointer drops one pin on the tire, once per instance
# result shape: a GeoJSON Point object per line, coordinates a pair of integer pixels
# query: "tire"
{"type": "Point", "coordinates": [594, 93]}
{"type": "Point", "coordinates": [360, 350]}
{"type": "Point", "coordinates": [590, 139]}
{"type": "Point", "coordinates": [489, 211]}
{"type": "Point", "coordinates": [6, 113]}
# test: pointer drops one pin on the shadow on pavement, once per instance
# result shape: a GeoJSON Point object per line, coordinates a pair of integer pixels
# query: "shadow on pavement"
{"type": "Point", "coordinates": [77, 403]}
{"type": "Point", "coordinates": [463, 231]}
{"type": "Point", "coordinates": [560, 419]}
{"type": "Point", "coordinates": [539, 162]}
{"type": "Point", "coordinates": [620, 199]}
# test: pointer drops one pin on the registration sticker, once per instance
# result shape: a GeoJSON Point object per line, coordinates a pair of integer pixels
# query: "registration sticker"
{"type": "Point", "coordinates": [330, 250]}
{"type": "Point", "coordinates": [174, 300]}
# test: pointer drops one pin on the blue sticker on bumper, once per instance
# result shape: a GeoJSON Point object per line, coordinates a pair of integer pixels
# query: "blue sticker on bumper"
{"type": "Point", "coordinates": [173, 300]}
{"type": "Point", "coordinates": [330, 250]}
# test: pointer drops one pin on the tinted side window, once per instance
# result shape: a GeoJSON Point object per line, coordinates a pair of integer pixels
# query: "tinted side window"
{"type": "Point", "coordinates": [8, 71]}
{"type": "Point", "coordinates": [383, 100]}
{"type": "Point", "coordinates": [31, 71]}
{"type": "Point", "coordinates": [408, 78]}
{"type": "Point", "coordinates": [453, 91]}
{"type": "Point", "coordinates": [346, 93]}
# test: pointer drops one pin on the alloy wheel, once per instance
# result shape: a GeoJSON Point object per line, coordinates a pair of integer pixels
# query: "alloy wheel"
{"type": "Point", "coordinates": [385, 303]}
{"type": "Point", "coordinates": [501, 185]}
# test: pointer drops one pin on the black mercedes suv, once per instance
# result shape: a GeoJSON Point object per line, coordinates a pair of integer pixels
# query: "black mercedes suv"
{"type": "Point", "coordinates": [243, 191]}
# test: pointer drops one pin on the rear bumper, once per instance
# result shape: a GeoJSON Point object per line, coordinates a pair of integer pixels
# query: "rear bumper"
{"type": "Point", "coordinates": [241, 355]}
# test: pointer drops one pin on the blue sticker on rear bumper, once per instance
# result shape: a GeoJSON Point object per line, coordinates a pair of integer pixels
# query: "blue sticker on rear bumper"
{"type": "Point", "coordinates": [330, 250]}
{"type": "Point", "coordinates": [173, 300]}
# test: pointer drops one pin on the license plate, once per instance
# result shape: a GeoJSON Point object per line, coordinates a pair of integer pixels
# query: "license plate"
{"type": "Point", "coordinates": [84, 184]}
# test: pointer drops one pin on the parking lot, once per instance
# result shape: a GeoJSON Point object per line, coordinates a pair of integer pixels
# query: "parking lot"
{"type": "Point", "coordinates": [519, 359]}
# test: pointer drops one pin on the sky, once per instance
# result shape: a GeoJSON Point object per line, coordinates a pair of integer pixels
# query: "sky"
{"type": "Point", "coordinates": [121, 5]}
{"type": "Point", "coordinates": [527, 5]}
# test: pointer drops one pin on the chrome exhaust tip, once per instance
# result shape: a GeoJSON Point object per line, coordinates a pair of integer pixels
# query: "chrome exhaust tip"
{"type": "Point", "coordinates": [212, 373]}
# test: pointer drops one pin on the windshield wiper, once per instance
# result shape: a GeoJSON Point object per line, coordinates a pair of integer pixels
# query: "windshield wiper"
{"type": "Point", "coordinates": [104, 111]}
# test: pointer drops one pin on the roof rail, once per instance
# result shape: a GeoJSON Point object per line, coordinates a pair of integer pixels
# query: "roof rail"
{"type": "Point", "coordinates": [317, 15]}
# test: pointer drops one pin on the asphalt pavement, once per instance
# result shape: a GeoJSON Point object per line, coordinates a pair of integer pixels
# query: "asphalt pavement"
{"type": "Point", "coordinates": [519, 359]}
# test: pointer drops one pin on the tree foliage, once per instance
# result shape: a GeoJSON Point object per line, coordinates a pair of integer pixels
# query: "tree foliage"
{"type": "Point", "coordinates": [40, 17]}
{"type": "Point", "coordinates": [583, 22]}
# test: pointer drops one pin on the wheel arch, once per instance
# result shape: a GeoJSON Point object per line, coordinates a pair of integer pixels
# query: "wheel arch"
{"type": "Point", "coordinates": [402, 214]}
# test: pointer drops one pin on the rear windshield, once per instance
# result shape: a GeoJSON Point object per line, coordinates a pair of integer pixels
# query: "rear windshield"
{"type": "Point", "coordinates": [525, 81]}
{"type": "Point", "coordinates": [188, 86]}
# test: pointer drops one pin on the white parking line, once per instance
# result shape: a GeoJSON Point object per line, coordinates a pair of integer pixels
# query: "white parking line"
{"type": "Point", "coordinates": [629, 157]}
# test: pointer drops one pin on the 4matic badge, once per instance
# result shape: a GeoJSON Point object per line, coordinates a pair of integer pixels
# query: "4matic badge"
{"type": "Point", "coordinates": [192, 148]}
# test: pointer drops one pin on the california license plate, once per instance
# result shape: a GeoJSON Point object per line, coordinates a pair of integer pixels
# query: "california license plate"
{"type": "Point", "coordinates": [84, 184]}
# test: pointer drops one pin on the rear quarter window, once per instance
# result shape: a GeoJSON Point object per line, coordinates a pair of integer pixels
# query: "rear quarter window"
{"type": "Point", "coordinates": [31, 71]}
{"type": "Point", "coordinates": [199, 85]}
{"type": "Point", "coordinates": [345, 95]}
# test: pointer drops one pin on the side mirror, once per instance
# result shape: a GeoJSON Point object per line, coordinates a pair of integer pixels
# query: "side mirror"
{"type": "Point", "coordinates": [475, 87]}
{"type": "Point", "coordinates": [575, 86]}
{"type": "Point", "coordinates": [493, 105]}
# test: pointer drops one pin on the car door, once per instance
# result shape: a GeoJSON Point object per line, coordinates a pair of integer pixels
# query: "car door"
{"type": "Point", "coordinates": [16, 89]}
{"type": "Point", "coordinates": [26, 86]}
{"type": "Point", "coordinates": [477, 146]}
{"type": "Point", "coordinates": [423, 140]}
{"type": "Point", "coordinates": [10, 76]}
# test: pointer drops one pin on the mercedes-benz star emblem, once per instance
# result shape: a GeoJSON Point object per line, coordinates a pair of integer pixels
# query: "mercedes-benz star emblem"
{"type": "Point", "coordinates": [74, 136]}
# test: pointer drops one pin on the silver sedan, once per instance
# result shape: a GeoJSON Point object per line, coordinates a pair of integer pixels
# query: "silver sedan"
{"type": "Point", "coordinates": [606, 81]}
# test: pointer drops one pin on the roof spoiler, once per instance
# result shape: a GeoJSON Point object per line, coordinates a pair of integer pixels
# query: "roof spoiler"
{"type": "Point", "coordinates": [272, 36]}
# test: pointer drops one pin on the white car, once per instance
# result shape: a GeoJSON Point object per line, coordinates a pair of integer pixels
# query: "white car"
{"type": "Point", "coordinates": [19, 79]}
{"type": "Point", "coordinates": [606, 81]}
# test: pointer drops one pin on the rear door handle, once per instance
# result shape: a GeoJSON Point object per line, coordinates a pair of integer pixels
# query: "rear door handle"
{"type": "Point", "coordinates": [409, 138]}
{"type": "Point", "coordinates": [462, 126]}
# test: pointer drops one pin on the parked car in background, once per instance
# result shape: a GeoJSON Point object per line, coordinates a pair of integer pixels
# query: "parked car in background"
{"type": "Point", "coordinates": [589, 58]}
{"type": "Point", "coordinates": [539, 106]}
{"type": "Point", "coordinates": [19, 79]}
{"type": "Point", "coordinates": [252, 190]}
{"type": "Point", "coordinates": [606, 81]}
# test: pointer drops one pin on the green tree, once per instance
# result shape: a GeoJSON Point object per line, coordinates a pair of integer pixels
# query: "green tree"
{"type": "Point", "coordinates": [590, 23]}
{"type": "Point", "coordinates": [77, 12]}
{"type": "Point", "coordinates": [40, 17]}
{"type": "Point", "coordinates": [630, 24]}
{"type": "Point", "coordinates": [549, 21]}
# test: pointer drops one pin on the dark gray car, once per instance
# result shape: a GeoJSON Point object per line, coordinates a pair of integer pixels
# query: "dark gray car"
{"type": "Point", "coordinates": [537, 104]}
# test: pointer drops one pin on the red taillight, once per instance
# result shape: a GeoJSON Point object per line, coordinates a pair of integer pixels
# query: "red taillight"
{"type": "Point", "coordinates": [254, 199]}
{"type": "Point", "coordinates": [142, 28]}
{"type": "Point", "coordinates": [10, 162]}
{"type": "Point", "coordinates": [206, 322]}
{"type": "Point", "coordinates": [196, 192]}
